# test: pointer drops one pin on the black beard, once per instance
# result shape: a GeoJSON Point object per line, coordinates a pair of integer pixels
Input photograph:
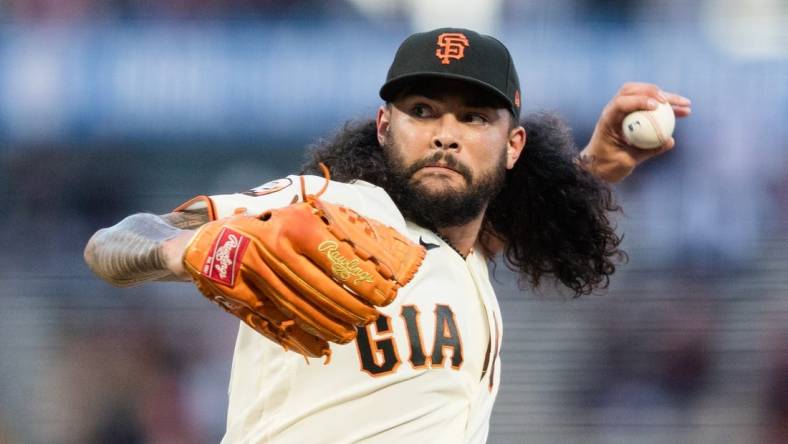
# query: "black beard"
{"type": "Point", "coordinates": [447, 207]}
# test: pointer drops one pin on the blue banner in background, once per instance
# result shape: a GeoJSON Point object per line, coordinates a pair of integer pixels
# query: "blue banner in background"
{"type": "Point", "coordinates": [180, 83]}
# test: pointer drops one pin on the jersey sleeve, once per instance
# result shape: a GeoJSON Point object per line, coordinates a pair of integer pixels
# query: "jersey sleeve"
{"type": "Point", "coordinates": [274, 194]}
{"type": "Point", "coordinates": [365, 199]}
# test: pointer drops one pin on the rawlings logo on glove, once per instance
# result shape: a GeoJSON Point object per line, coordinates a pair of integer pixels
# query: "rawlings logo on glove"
{"type": "Point", "coordinates": [228, 255]}
{"type": "Point", "coordinates": [304, 274]}
{"type": "Point", "coordinates": [342, 267]}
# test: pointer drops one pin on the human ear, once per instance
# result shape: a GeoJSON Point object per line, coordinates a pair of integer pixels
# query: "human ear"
{"type": "Point", "coordinates": [382, 121]}
{"type": "Point", "coordinates": [515, 146]}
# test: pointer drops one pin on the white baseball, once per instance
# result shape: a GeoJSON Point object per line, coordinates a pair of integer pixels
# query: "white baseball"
{"type": "Point", "coordinates": [649, 129]}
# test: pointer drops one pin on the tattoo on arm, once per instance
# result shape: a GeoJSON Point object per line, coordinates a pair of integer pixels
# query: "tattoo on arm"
{"type": "Point", "coordinates": [130, 253]}
{"type": "Point", "coordinates": [585, 160]}
{"type": "Point", "coordinates": [187, 220]}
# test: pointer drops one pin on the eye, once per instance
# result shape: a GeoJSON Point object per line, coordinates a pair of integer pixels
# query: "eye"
{"type": "Point", "coordinates": [421, 110]}
{"type": "Point", "coordinates": [476, 118]}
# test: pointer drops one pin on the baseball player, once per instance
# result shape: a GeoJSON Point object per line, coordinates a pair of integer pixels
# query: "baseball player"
{"type": "Point", "coordinates": [384, 268]}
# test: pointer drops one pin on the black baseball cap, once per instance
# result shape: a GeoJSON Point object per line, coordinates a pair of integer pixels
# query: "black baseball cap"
{"type": "Point", "coordinates": [455, 53]}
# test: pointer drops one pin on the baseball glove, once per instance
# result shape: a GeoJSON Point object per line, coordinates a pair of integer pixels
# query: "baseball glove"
{"type": "Point", "coordinates": [304, 274]}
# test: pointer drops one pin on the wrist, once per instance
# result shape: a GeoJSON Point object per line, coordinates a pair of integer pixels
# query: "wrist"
{"type": "Point", "coordinates": [611, 168]}
{"type": "Point", "coordinates": [172, 251]}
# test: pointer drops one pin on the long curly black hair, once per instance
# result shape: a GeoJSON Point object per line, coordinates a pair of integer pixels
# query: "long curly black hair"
{"type": "Point", "coordinates": [551, 219]}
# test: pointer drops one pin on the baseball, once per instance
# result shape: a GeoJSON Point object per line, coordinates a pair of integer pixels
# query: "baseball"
{"type": "Point", "coordinates": [649, 129]}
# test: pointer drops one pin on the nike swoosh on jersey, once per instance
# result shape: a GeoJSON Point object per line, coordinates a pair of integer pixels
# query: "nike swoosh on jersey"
{"type": "Point", "coordinates": [427, 245]}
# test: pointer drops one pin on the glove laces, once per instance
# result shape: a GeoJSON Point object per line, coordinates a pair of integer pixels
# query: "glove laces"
{"type": "Point", "coordinates": [313, 197]}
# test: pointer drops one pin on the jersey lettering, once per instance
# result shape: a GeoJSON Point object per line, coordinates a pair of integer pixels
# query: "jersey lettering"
{"type": "Point", "coordinates": [411, 316]}
{"type": "Point", "coordinates": [378, 357]}
{"type": "Point", "coordinates": [446, 336]}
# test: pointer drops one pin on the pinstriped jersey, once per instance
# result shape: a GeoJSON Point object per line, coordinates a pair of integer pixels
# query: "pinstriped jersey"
{"type": "Point", "coordinates": [426, 371]}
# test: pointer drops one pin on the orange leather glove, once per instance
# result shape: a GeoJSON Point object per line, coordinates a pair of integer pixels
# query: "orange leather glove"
{"type": "Point", "coordinates": [304, 274]}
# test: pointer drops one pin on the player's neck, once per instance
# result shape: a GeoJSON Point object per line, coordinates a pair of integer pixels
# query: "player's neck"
{"type": "Point", "coordinates": [463, 237]}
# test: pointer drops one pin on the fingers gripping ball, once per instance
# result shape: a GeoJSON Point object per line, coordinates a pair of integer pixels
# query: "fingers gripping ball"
{"type": "Point", "coordinates": [649, 129]}
{"type": "Point", "coordinates": [303, 275]}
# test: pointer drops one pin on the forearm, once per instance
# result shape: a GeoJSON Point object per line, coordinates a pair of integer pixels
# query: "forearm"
{"type": "Point", "coordinates": [137, 249]}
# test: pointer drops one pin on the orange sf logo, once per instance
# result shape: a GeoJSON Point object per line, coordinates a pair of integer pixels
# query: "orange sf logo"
{"type": "Point", "coordinates": [451, 46]}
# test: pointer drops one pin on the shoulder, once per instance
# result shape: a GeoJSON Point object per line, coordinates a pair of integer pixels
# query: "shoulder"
{"type": "Point", "coordinates": [363, 197]}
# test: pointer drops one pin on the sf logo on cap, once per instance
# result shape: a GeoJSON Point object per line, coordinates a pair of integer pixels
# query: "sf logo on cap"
{"type": "Point", "coordinates": [451, 46]}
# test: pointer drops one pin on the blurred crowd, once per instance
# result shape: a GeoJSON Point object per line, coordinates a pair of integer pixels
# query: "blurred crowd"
{"type": "Point", "coordinates": [527, 11]}
{"type": "Point", "coordinates": [85, 10]}
{"type": "Point", "coordinates": [621, 11]}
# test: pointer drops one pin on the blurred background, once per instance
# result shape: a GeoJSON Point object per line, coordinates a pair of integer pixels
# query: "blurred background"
{"type": "Point", "coordinates": [119, 106]}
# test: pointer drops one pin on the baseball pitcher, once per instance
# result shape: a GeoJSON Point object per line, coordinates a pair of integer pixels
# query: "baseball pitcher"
{"type": "Point", "coordinates": [366, 309]}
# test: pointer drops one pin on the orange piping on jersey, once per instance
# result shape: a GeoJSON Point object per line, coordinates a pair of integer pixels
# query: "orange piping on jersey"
{"type": "Point", "coordinates": [201, 198]}
{"type": "Point", "coordinates": [495, 356]}
{"type": "Point", "coordinates": [486, 358]}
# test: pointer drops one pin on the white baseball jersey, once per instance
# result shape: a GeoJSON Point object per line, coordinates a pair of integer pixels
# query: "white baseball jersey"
{"type": "Point", "coordinates": [426, 371]}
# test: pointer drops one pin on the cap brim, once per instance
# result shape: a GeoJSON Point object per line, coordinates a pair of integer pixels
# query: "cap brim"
{"type": "Point", "coordinates": [390, 89]}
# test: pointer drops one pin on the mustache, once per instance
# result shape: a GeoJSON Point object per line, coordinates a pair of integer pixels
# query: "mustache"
{"type": "Point", "coordinates": [443, 159]}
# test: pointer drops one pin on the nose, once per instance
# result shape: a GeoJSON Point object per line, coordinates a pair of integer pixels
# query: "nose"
{"type": "Point", "coordinates": [447, 133]}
